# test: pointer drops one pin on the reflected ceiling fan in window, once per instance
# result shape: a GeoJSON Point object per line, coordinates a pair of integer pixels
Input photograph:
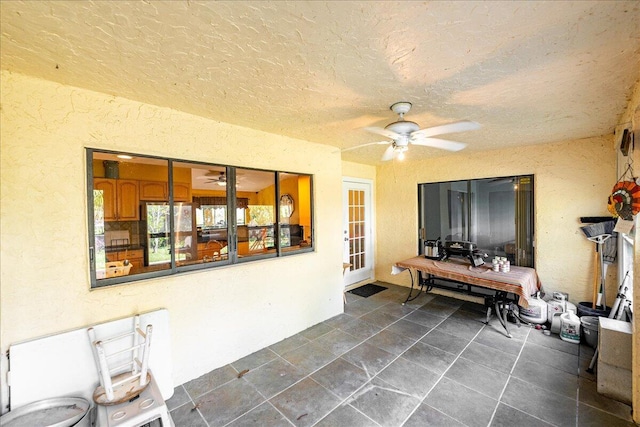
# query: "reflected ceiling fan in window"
{"type": "Point", "coordinates": [404, 132]}
{"type": "Point", "coordinates": [216, 177]}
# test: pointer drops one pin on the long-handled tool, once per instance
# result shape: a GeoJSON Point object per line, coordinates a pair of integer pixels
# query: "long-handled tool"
{"type": "Point", "coordinates": [618, 310]}
{"type": "Point", "coordinates": [599, 233]}
{"type": "Point", "coordinates": [596, 279]}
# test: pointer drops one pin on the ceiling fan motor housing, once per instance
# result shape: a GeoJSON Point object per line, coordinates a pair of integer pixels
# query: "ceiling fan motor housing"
{"type": "Point", "coordinates": [403, 127]}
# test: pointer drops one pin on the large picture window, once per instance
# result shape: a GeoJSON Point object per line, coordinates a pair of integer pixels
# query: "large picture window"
{"type": "Point", "coordinates": [494, 213]}
{"type": "Point", "coordinates": [152, 216]}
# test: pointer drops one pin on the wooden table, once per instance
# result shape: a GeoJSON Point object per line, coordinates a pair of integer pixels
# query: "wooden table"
{"type": "Point", "coordinates": [521, 282]}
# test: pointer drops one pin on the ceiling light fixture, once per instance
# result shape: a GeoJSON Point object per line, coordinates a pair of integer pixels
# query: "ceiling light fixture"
{"type": "Point", "coordinates": [400, 149]}
{"type": "Point", "coordinates": [124, 156]}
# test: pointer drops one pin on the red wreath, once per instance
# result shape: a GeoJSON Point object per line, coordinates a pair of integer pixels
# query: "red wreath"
{"type": "Point", "coordinates": [624, 200]}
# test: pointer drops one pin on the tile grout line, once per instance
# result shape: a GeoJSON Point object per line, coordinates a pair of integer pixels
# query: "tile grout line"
{"type": "Point", "coordinates": [578, 387]}
{"type": "Point", "coordinates": [279, 356]}
{"type": "Point", "coordinates": [342, 402]}
{"type": "Point", "coordinates": [356, 391]}
{"type": "Point", "coordinates": [577, 375]}
{"type": "Point", "coordinates": [443, 373]}
{"type": "Point", "coordinates": [515, 363]}
{"type": "Point", "coordinates": [304, 377]}
{"type": "Point", "coordinates": [193, 403]}
{"type": "Point", "coordinates": [452, 363]}
{"type": "Point", "coordinates": [266, 399]}
{"type": "Point", "coordinates": [412, 309]}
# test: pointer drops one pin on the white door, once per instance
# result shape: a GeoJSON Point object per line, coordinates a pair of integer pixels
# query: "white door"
{"type": "Point", "coordinates": [357, 230]}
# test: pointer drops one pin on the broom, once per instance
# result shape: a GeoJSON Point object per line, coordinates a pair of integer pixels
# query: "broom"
{"type": "Point", "coordinates": [599, 233]}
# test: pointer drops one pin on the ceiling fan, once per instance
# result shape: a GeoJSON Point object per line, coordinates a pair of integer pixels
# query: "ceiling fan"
{"type": "Point", "coordinates": [216, 177]}
{"type": "Point", "coordinates": [404, 132]}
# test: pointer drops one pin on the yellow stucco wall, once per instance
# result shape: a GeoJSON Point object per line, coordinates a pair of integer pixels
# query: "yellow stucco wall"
{"type": "Point", "coordinates": [357, 170]}
{"type": "Point", "coordinates": [572, 179]}
{"type": "Point", "coordinates": [216, 316]}
{"type": "Point", "coordinates": [226, 313]}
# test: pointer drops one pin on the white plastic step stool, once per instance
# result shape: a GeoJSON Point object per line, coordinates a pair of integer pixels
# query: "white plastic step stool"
{"type": "Point", "coordinates": [128, 396]}
{"type": "Point", "coordinates": [123, 363]}
{"type": "Point", "coordinates": [146, 408]}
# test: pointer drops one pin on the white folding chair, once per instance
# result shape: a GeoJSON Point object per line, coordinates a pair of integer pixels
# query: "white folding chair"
{"type": "Point", "coordinates": [128, 395]}
{"type": "Point", "coordinates": [123, 363]}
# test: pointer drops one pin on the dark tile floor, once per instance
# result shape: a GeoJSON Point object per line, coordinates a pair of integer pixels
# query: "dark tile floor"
{"type": "Point", "coordinates": [430, 362]}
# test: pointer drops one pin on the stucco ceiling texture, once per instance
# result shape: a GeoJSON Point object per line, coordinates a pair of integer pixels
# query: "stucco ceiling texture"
{"type": "Point", "coordinates": [528, 72]}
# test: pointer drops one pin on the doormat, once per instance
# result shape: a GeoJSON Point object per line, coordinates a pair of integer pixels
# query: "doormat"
{"type": "Point", "coordinates": [367, 290]}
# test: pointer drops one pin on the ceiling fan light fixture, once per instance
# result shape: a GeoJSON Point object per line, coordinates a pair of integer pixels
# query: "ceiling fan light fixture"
{"type": "Point", "coordinates": [217, 178]}
{"type": "Point", "coordinates": [399, 150]}
{"type": "Point", "coordinates": [403, 133]}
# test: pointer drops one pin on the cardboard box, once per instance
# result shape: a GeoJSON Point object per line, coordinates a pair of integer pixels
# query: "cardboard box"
{"type": "Point", "coordinates": [614, 382]}
{"type": "Point", "coordinates": [614, 343]}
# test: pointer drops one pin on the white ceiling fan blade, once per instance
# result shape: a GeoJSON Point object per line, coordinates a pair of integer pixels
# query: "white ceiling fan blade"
{"type": "Point", "coordinates": [388, 153]}
{"type": "Point", "coordinates": [364, 145]}
{"type": "Point", "coordinates": [443, 144]}
{"type": "Point", "coordinates": [461, 126]}
{"type": "Point", "coordinates": [384, 132]}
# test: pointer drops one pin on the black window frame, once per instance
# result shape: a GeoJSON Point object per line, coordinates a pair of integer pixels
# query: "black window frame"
{"type": "Point", "coordinates": [232, 226]}
{"type": "Point", "coordinates": [524, 206]}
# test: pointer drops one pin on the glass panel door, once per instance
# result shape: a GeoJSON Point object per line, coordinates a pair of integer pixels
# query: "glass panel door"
{"type": "Point", "coordinates": [494, 213]}
{"type": "Point", "coordinates": [524, 220]}
{"type": "Point", "coordinates": [357, 236]}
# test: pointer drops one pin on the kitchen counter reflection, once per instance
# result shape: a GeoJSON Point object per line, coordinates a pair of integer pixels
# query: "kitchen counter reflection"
{"type": "Point", "coordinates": [121, 248]}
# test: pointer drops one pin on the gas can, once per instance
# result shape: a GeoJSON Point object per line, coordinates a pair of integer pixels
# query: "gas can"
{"type": "Point", "coordinates": [559, 304]}
{"type": "Point", "coordinates": [536, 312]}
{"type": "Point", "coordinates": [570, 329]}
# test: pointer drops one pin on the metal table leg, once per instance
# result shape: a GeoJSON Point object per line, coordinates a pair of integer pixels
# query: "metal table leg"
{"type": "Point", "coordinates": [409, 297]}
{"type": "Point", "coordinates": [502, 316]}
{"type": "Point", "coordinates": [501, 312]}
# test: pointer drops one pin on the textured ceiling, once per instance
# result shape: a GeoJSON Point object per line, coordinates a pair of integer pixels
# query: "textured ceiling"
{"type": "Point", "coordinates": [529, 72]}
